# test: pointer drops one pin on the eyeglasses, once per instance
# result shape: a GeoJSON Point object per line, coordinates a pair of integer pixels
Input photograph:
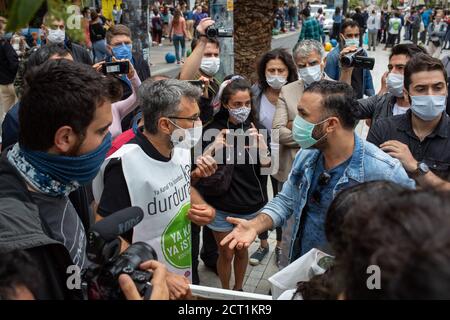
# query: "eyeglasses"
{"type": "Point", "coordinates": [324, 179]}
{"type": "Point", "coordinates": [193, 119]}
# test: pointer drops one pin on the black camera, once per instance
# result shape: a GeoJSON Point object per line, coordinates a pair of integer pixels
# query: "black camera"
{"type": "Point", "coordinates": [212, 32]}
{"type": "Point", "coordinates": [197, 83]}
{"type": "Point", "coordinates": [357, 60]}
{"type": "Point", "coordinates": [101, 278]}
{"type": "Point", "coordinates": [117, 67]}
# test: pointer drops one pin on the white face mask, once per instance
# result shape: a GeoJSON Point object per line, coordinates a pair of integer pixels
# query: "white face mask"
{"type": "Point", "coordinates": [210, 66]}
{"type": "Point", "coordinates": [276, 82]}
{"type": "Point", "coordinates": [394, 83]}
{"type": "Point", "coordinates": [56, 36]}
{"type": "Point", "coordinates": [310, 74]}
{"type": "Point", "coordinates": [428, 108]}
{"type": "Point", "coordinates": [351, 42]}
{"type": "Point", "coordinates": [187, 138]}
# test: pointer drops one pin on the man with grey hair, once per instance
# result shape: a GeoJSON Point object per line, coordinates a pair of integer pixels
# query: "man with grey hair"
{"type": "Point", "coordinates": [309, 57]}
{"type": "Point", "coordinates": [153, 172]}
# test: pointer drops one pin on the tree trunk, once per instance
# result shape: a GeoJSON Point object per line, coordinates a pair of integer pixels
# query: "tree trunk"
{"type": "Point", "coordinates": [253, 23]}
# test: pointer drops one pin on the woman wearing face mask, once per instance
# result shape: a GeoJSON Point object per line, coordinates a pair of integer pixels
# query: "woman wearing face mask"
{"type": "Point", "coordinates": [242, 191]}
{"type": "Point", "coordinates": [275, 69]}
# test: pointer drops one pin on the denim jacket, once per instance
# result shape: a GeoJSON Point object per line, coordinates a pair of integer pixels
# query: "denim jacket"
{"type": "Point", "coordinates": [368, 163]}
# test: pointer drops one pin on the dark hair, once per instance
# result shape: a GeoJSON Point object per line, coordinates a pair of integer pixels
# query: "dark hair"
{"type": "Point", "coordinates": [422, 62]}
{"type": "Point", "coordinates": [338, 99]}
{"type": "Point", "coordinates": [116, 30]}
{"type": "Point", "coordinates": [360, 197]}
{"type": "Point", "coordinates": [58, 93]}
{"type": "Point", "coordinates": [348, 23]}
{"type": "Point", "coordinates": [85, 10]}
{"type": "Point", "coordinates": [238, 83]}
{"type": "Point", "coordinates": [306, 12]}
{"type": "Point", "coordinates": [337, 11]}
{"type": "Point", "coordinates": [210, 40]}
{"type": "Point", "coordinates": [284, 56]}
{"type": "Point", "coordinates": [319, 287]}
{"type": "Point", "coordinates": [358, 10]}
{"type": "Point", "coordinates": [407, 237]}
{"type": "Point", "coordinates": [319, 10]}
{"type": "Point", "coordinates": [94, 15]}
{"type": "Point", "coordinates": [17, 268]}
{"type": "Point", "coordinates": [44, 53]}
{"type": "Point", "coordinates": [408, 49]}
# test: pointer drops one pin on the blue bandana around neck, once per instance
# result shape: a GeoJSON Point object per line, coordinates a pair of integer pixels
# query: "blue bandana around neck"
{"type": "Point", "coordinates": [58, 175]}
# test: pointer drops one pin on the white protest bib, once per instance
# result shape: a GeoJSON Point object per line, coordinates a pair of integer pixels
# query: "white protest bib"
{"type": "Point", "coordinates": [162, 191]}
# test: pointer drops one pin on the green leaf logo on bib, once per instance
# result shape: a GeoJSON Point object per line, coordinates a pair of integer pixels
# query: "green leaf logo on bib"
{"type": "Point", "coordinates": [176, 240]}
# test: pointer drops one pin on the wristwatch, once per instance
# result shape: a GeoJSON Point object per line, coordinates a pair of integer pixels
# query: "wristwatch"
{"type": "Point", "coordinates": [422, 169]}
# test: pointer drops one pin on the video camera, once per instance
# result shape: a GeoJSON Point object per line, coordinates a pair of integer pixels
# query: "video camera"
{"type": "Point", "coordinates": [212, 32]}
{"type": "Point", "coordinates": [358, 60]}
{"type": "Point", "coordinates": [101, 278]}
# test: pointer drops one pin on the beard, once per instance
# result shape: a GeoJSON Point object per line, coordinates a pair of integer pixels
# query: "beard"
{"type": "Point", "coordinates": [75, 150]}
{"type": "Point", "coordinates": [319, 134]}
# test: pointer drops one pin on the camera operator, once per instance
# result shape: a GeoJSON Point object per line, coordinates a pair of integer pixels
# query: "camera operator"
{"type": "Point", "coordinates": [62, 143]}
{"type": "Point", "coordinates": [361, 79]}
{"type": "Point", "coordinates": [203, 64]}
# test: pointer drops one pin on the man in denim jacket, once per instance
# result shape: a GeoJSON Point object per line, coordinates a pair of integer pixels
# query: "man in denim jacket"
{"type": "Point", "coordinates": [332, 158]}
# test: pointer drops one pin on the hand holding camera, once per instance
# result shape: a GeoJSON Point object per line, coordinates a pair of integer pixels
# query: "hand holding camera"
{"type": "Point", "coordinates": [160, 289]}
{"type": "Point", "coordinates": [116, 67]}
{"type": "Point", "coordinates": [204, 25]}
{"type": "Point", "coordinates": [351, 57]}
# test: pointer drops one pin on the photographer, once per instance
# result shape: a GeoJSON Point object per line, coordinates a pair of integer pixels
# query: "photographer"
{"type": "Point", "coordinates": [361, 79]}
{"type": "Point", "coordinates": [62, 143]}
{"type": "Point", "coordinates": [203, 64]}
{"type": "Point", "coordinates": [121, 109]}
{"type": "Point", "coordinates": [238, 188]}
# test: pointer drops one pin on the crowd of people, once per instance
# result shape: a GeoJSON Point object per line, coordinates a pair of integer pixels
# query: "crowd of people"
{"type": "Point", "coordinates": [196, 156]}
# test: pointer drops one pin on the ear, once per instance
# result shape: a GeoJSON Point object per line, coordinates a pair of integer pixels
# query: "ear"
{"type": "Point", "coordinates": [65, 139]}
{"type": "Point", "coordinates": [333, 122]}
{"type": "Point", "coordinates": [165, 126]}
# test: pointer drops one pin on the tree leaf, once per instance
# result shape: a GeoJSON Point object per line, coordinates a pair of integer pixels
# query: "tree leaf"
{"type": "Point", "coordinates": [21, 13]}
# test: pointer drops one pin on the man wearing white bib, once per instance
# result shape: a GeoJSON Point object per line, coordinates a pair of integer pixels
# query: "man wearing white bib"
{"type": "Point", "coordinates": [153, 172]}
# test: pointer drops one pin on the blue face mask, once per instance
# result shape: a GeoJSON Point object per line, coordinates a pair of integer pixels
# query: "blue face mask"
{"type": "Point", "coordinates": [122, 51]}
{"type": "Point", "coordinates": [302, 132]}
{"type": "Point", "coordinates": [351, 42]}
{"type": "Point", "coordinates": [80, 169]}
{"type": "Point", "coordinates": [428, 108]}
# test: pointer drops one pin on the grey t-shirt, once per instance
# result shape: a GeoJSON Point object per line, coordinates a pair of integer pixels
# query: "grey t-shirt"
{"type": "Point", "coordinates": [63, 223]}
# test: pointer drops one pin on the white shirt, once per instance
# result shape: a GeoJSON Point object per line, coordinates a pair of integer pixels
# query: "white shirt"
{"type": "Point", "coordinates": [266, 113]}
{"type": "Point", "coordinates": [399, 110]}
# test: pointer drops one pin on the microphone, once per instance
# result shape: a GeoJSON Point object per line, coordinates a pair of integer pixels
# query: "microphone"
{"type": "Point", "coordinates": [118, 223]}
{"type": "Point", "coordinates": [102, 239]}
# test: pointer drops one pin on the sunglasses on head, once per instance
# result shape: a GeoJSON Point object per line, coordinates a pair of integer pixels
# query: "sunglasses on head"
{"type": "Point", "coordinates": [324, 179]}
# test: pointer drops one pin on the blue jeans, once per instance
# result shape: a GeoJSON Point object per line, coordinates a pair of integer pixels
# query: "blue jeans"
{"type": "Point", "coordinates": [177, 42]}
{"type": "Point", "coordinates": [99, 50]}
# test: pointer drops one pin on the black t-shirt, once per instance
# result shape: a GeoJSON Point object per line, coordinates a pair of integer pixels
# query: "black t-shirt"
{"type": "Point", "coordinates": [115, 194]}
{"type": "Point", "coordinates": [357, 82]}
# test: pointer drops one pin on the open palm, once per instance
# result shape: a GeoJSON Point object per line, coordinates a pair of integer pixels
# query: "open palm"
{"type": "Point", "coordinates": [242, 235]}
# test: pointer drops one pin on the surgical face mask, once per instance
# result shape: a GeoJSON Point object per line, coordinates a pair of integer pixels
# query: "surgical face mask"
{"type": "Point", "coordinates": [428, 108]}
{"type": "Point", "coordinates": [16, 46]}
{"type": "Point", "coordinates": [310, 74]}
{"type": "Point", "coordinates": [123, 51]}
{"type": "Point", "coordinates": [276, 82]}
{"type": "Point", "coordinates": [210, 66]}
{"type": "Point", "coordinates": [187, 138]}
{"type": "Point", "coordinates": [302, 132]}
{"type": "Point", "coordinates": [351, 42]}
{"type": "Point", "coordinates": [56, 35]}
{"type": "Point", "coordinates": [240, 114]}
{"type": "Point", "coordinates": [394, 83]}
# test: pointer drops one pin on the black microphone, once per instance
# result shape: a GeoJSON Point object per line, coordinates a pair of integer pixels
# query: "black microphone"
{"type": "Point", "coordinates": [118, 223]}
{"type": "Point", "coordinates": [102, 239]}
